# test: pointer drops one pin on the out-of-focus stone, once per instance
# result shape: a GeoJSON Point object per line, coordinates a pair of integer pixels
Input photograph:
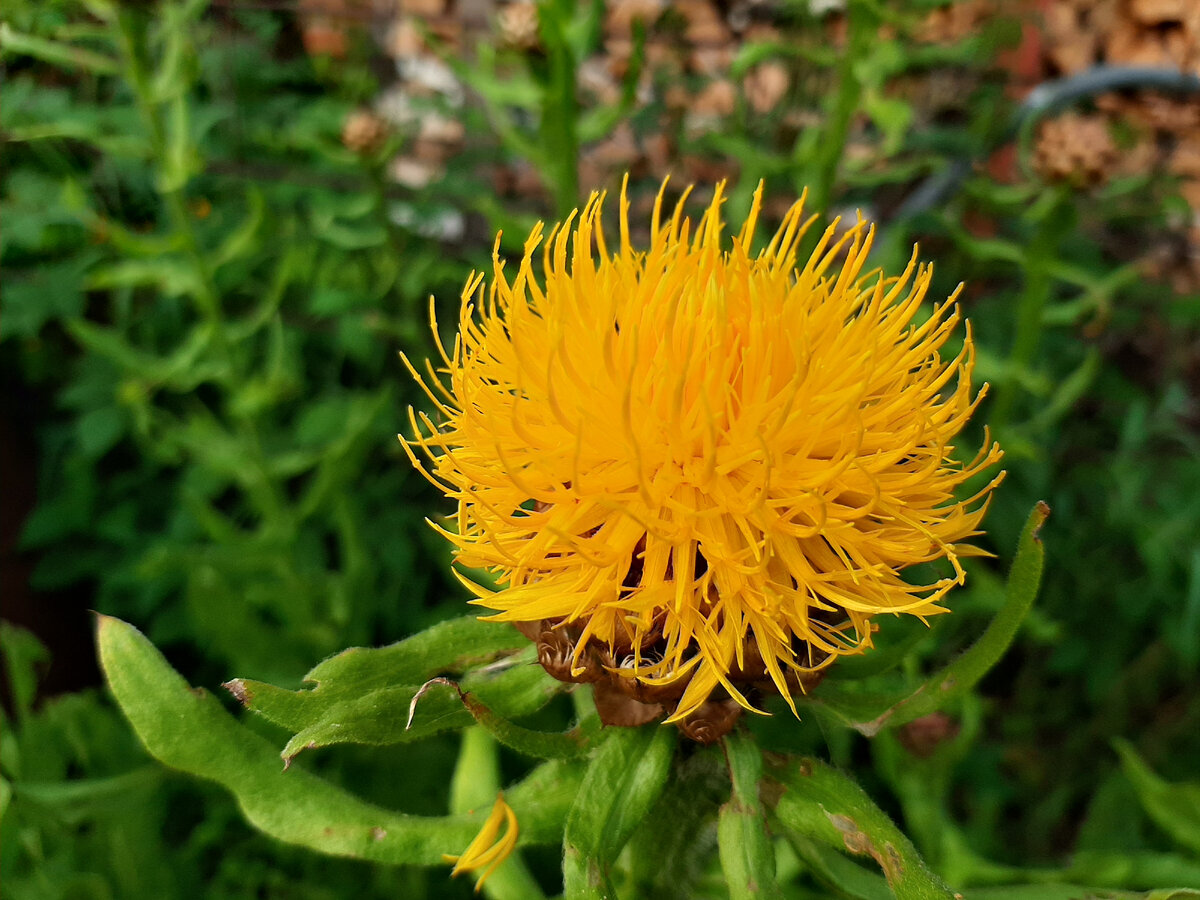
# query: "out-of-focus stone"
{"type": "Point", "coordinates": [517, 25]}
{"type": "Point", "coordinates": [596, 79]}
{"type": "Point", "coordinates": [761, 32]}
{"type": "Point", "coordinates": [442, 129]}
{"type": "Point", "coordinates": [765, 86]}
{"type": "Point", "coordinates": [321, 38]}
{"type": "Point", "coordinates": [701, 169]}
{"type": "Point", "coordinates": [711, 60]}
{"type": "Point", "coordinates": [621, 14]}
{"type": "Point", "coordinates": [619, 150]}
{"type": "Point", "coordinates": [658, 153]}
{"type": "Point", "coordinates": [1071, 47]}
{"type": "Point", "coordinates": [1158, 111]}
{"type": "Point", "coordinates": [404, 39]}
{"type": "Point", "coordinates": [1189, 189]}
{"type": "Point", "coordinates": [364, 132]}
{"type": "Point", "coordinates": [710, 107]}
{"type": "Point", "coordinates": [1132, 46]}
{"type": "Point", "coordinates": [413, 173]}
{"type": "Point", "coordinates": [718, 98]}
{"type": "Point", "coordinates": [448, 30]}
{"type": "Point", "coordinates": [1156, 12]}
{"type": "Point", "coordinates": [606, 160]}
{"type": "Point", "coordinates": [427, 8]}
{"type": "Point", "coordinates": [703, 22]}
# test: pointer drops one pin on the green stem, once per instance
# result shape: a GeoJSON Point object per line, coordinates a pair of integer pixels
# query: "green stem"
{"type": "Point", "coordinates": [131, 27]}
{"type": "Point", "coordinates": [377, 175]}
{"type": "Point", "coordinates": [560, 108]}
{"type": "Point", "coordinates": [1039, 283]}
{"type": "Point", "coordinates": [476, 778]}
{"type": "Point", "coordinates": [584, 878]}
{"type": "Point", "coordinates": [747, 853]}
{"type": "Point", "coordinates": [860, 31]}
{"type": "Point", "coordinates": [410, 333]}
{"type": "Point", "coordinates": [624, 779]}
{"type": "Point", "coordinates": [473, 787]}
{"type": "Point", "coordinates": [821, 804]}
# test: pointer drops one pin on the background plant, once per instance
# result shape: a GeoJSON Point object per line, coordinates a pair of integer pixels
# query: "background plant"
{"type": "Point", "coordinates": [203, 290]}
{"type": "Point", "coordinates": [212, 349]}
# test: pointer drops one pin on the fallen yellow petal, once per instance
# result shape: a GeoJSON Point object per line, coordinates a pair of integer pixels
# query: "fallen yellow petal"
{"type": "Point", "coordinates": [489, 848]}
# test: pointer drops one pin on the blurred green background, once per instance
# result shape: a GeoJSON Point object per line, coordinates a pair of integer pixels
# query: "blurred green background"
{"type": "Point", "coordinates": [222, 220]}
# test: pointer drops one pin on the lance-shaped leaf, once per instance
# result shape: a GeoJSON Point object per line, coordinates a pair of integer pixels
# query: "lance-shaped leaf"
{"type": "Point", "coordinates": [1074, 892]}
{"type": "Point", "coordinates": [747, 854]}
{"type": "Point", "coordinates": [67, 56]}
{"type": "Point", "coordinates": [838, 871]}
{"type": "Point", "coordinates": [405, 713]}
{"type": "Point", "coordinates": [188, 729]}
{"type": "Point", "coordinates": [1174, 807]}
{"type": "Point", "coordinates": [852, 881]}
{"type": "Point", "coordinates": [821, 804]}
{"type": "Point", "coordinates": [450, 647]}
{"type": "Point", "coordinates": [870, 713]}
{"type": "Point", "coordinates": [540, 744]}
{"type": "Point", "coordinates": [623, 780]}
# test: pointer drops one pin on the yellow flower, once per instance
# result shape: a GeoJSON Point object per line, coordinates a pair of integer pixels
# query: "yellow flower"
{"type": "Point", "coordinates": [486, 849]}
{"type": "Point", "coordinates": [697, 473]}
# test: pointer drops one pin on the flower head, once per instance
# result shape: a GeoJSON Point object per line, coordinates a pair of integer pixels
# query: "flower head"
{"type": "Point", "coordinates": [697, 473]}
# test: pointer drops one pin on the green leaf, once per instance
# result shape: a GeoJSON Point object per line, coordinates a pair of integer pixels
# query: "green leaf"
{"type": "Point", "coordinates": [1117, 868]}
{"type": "Point", "coordinates": [475, 784]}
{"type": "Point", "coordinates": [965, 671]}
{"type": "Point", "coordinates": [623, 780]}
{"type": "Point", "coordinates": [22, 652]}
{"type": "Point", "coordinates": [1046, 892]}
{"type": "Point", "coordinates": [241, 241]}
{"type": "Point", "coordinates": [180, 158]}
{"type": "Point", "coordinates": [381, 717]}
{"type": "Point", "coordinates": [42, 293]}
{"type": "Point", "coordinates": [99, 429]}
{"type": "Point", "coordinates": [355, 703]}
{"type": "Point", "coordinates": [188, 729]}
{"type": "Point", "coordinates": [378, 719]}
{"type": "Point", "coordinates": [1072, 892]}
{"type": "Point", "coordinates": [53, 52]}
{"type": "Point", "coordinates": [450, 647]}
{"type": "Point", "coordinates": [81, 797]}
{"type": "Point", "coordinates": [747, 854]}
{"type": "Point", "coordinates": [751, 53]}
{"type": "Point", "coordinates": [844, 875]}
{"type": "Point", "coordinates": [169, 274]}
{"type": "Point", "coordinates": [539, 744]}
{"type": "Point", "coordinates": [1068, 392]}
{"type": "Point", "coordinates": [111, 344]}
{"type": "Point", "coordinates": [824, 805]}
{"type": "Point", "coordinates": [893, 117]}
{"type": "Point", "coordinates": [1173, 806]}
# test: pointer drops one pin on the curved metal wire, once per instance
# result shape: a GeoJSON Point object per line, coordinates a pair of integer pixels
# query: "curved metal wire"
{"type": "Point", "coordinates": [1049, 97]}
